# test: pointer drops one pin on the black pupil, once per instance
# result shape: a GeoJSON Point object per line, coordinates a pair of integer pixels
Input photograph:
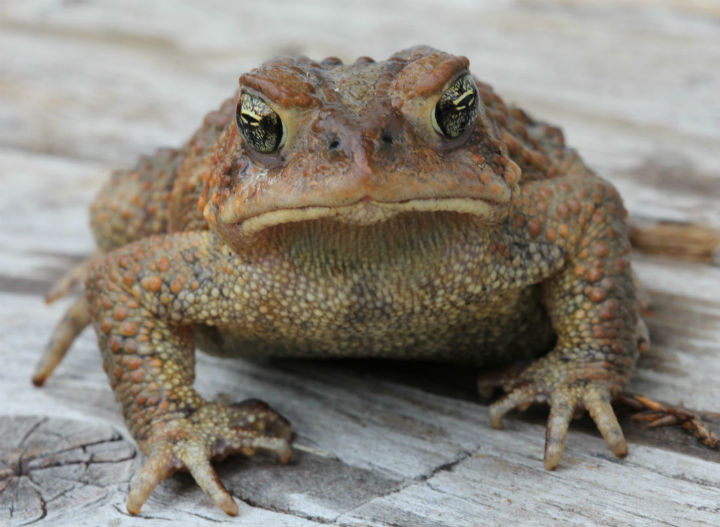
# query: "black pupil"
{"type": "Point", "coordinates": [457, 108]}
{"type": "Point", "coordinates": [259, 124]}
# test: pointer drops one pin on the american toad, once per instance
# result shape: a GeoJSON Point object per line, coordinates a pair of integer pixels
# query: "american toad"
{"type": "Point", "coordinates": [377, 209]}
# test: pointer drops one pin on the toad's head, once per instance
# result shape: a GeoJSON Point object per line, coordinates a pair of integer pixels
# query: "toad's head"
{"type": "Point", "coordinates": [358, 144]}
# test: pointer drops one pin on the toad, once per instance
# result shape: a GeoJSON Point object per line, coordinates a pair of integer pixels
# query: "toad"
{"type": "Point", "coordinates": [394, 209]}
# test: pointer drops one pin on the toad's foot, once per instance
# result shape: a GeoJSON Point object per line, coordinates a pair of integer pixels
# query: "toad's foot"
{"type": "Point", "coordinates": [75, 319]}
{"type": "Point", "coordinates": [70, 280]}
{"type": "Point", "coordinates": [549, 382]}
{"type": "Point", "coordinates": [214, 431]}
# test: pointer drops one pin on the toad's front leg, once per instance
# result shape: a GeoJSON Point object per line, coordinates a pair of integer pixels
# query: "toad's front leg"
{"type": "Point", "coordinates": [593, 309]}
{"type": "Point", "coordinates": [144, 300]}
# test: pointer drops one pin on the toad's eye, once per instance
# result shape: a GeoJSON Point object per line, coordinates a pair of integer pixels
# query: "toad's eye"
{"type": "Point", "coordinates": [457, 108]}
{"type": "Point", "coordinates": [259, 124]}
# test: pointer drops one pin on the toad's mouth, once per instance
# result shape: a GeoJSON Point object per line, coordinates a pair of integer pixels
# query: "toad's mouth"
{"type": "Point", "coordinates": [366, 212]}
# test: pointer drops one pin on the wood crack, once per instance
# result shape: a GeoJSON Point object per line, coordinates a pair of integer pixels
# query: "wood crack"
{"type": "Point", "coordinates": [252, 503]}
{"type": "Point", "coordinates": [423, 478]}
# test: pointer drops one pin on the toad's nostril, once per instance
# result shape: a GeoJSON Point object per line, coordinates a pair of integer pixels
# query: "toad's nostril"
{"type": "Point", "coordinates": [334, 144]}
{"type": "Point", "coordinates": [387, 138]}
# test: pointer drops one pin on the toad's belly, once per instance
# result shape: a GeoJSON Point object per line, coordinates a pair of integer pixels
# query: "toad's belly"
{"type": "Point", "coordinates": [484, 331]}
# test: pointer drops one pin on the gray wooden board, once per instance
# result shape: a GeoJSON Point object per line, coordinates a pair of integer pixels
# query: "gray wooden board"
{"type": "Point", "coordinates": [86, 86]}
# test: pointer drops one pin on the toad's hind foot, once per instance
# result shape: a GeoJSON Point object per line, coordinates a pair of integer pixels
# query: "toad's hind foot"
{"type": "Point", "coordinates": [76, 318]}
{"type": "Point", "coordinates": [212, 432]}
{"type": "Point", "coordinates": [70, 280]}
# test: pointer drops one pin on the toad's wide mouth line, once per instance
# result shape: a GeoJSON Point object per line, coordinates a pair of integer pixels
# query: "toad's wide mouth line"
{"type": "Point", "coordinates": [366, 212]}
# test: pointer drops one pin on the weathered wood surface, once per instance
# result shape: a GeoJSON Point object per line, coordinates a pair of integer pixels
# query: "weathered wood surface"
{"type": "Point", "coordinates": [85, 86]}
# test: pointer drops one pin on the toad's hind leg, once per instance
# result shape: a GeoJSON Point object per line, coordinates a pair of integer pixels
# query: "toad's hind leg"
{"type": "Point", "coordinates": [135, 203]}
{"type": "Point", "coordinates": [69, 281]}
{"type": "Point", "coordinates": [76, 318]}
{"type": "Point", "coordinates": [132, 205]}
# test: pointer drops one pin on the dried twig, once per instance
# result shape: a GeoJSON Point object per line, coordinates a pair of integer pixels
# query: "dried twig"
{"type": "Point", "coordinates": [657, 414]}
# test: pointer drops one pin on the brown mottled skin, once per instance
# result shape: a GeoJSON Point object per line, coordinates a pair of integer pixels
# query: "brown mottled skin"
{"type": "Point", "coordinates": [368, 232]}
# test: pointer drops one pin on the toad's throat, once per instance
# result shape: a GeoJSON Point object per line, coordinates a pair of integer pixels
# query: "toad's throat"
{"type": "Point", "coordinates": [366, 212]}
